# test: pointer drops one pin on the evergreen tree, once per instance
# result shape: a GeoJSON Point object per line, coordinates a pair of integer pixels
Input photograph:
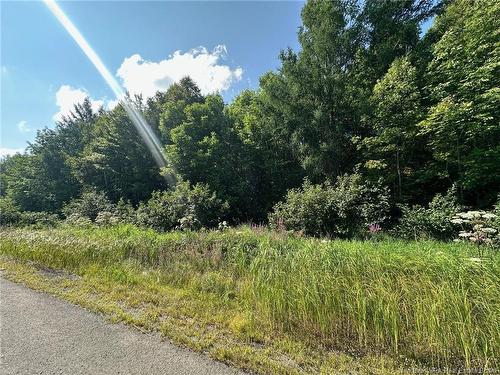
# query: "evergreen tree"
{"type": "Point", "coordinates": [117, 161]}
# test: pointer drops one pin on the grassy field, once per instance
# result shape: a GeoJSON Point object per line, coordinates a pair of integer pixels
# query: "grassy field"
{"type": "Point", "coordinates": [273, 303]}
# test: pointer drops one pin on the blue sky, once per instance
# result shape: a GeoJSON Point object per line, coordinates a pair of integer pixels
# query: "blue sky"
{"type": "Point", "coordinates": [229, 44]}
{"type": "Point", "coordinates": [224, 46]}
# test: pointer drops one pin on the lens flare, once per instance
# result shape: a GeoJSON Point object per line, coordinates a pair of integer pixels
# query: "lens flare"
{"type": "Point", "coordinates": [142, 126]}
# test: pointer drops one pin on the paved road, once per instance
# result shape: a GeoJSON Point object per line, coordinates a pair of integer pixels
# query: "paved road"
{"type": "Point", "coordinates": [43, 335]}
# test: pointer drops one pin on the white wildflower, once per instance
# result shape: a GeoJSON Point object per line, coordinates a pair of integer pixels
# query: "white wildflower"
{"type": "Point", "coordinates": [489, 230]}
{"type": "Point", "coordinates": [489, 216]}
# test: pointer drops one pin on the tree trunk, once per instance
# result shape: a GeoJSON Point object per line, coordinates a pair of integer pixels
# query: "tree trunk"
{"type": "Point", "coordinates": [399, 173]}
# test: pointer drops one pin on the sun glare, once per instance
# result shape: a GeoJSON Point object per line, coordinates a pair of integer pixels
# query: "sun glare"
{"type": "Point", "coordinates": [145, 131]}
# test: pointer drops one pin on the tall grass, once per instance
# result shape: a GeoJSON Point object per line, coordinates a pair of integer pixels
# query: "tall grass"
{"type": "Point", "coordinates": [431, 301]}
{"type": "Point", "coordinates": [428, 300]}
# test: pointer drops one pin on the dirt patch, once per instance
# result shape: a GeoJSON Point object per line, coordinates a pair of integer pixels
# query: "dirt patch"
{"type": "Point", "coordinates": [55, 274]}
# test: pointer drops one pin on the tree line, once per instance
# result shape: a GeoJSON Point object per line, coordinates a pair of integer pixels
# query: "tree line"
{"type": "Point", "coordinates": [366, 94]}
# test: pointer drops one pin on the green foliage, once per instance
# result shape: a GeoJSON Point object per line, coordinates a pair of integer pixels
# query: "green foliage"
{"type": "Point", "coordinates": [418, 222]}
{"type": "Point", "coordinates": [77, 221]}
{"type": "Point", "coordinates": [388, 294]}
{"type": "Point", "coordinates": [463, 81]}
{"type": "Point", "coordinates": [42, 179]}
{"type": "Point", "coordinates": [175, 101]}
{"type": "Point", "coordinates": [116, 161]}
{"type": "Point", "coordinates": [263, 158]}
{"type": "Point", "coordinates": [88, 205]}
{"type": "Point", "coordinates": [365, 92]}
{"type": "Point", "coordinates": [38, 219]}
{"type": "Point", "coordinates": [321, 94]}
{"type": "Point", "coordinates": [36, 182]}
{"type": "Point", "coordinates": [496, 211]}
{"type": "Point", "coordinates": [185, 207]}
{"type": "Point", "coordinates": [414, 115]}
{"type": "Point", "coordinates": [202, 146]}
{"type": "Point", "coordinates": [124, 211]}
{"type": "Point", "coordinates": [392, 29]}
{"type": "Point", "coordinates": [339, 210]}
{"type": "Point", "coordinates": [9, 213]}
{"type": "Point", "coordinates": [390, 151]}
{"type": "Point", "coordinates": [312, 92]}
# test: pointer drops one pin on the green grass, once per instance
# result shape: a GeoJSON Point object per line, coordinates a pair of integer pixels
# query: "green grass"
{"type": "Point", "coordinates": [275, 303]}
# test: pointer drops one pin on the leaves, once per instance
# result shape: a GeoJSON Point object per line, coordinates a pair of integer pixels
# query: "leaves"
{"type": "Point", "coordinates": [364, 94]}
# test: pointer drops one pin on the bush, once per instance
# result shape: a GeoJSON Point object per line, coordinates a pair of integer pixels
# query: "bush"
{"type": "Point", "coordinates": [125, 212]}
{"type": "Point", "coordinates": [121, 213]}
{"type": "Point", "coordinates": [9, 213]}
{"type": "Point", "coordinates": [432, 222]}
{"type": "Point", "coordinates": [185, 207]}
{"type": "Point", "coordinates": [78, 221]}
{"type": "Point", "coordinates": [42, 219]}
{"type": "Point", "coordinates": [339, 210]}
{"type": "Point", "coordinates": [107, 218]}
{"type": "Point", "coordinates": [88, 205]}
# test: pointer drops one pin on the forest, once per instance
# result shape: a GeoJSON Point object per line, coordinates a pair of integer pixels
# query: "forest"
{"type": "Point", "coordinates": [368, 103]}
{"type": "Point", "coordinates": [351, 201]}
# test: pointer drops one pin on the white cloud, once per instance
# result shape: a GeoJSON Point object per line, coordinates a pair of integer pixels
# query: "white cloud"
{"type": "Point", "coordinates": [111, 104]}
{"type": "Point", "coordinates": [23, 127]}
{"type": "Point", "coordinates": [67, 97]}
{"type": "Point", "coordinates": [144, 77]}
{"type": "Point", "coordinates": [4, 69]}
{"type": "Point", "coordinates": [4, 151]}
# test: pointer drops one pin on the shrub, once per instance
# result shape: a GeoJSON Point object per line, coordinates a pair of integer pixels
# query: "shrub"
{"type": "Point", "coordinates": [42, 219]}
{"type": "Point", "coordinates": [107, 218]}
{"type": "Point", "coordinates": [121, 213]}
{"type": "Point", "coordinates": [334, 210]}
{"type": "Point", "coordinates": [88, 205]}
{"type": "Point", "coordinates": [185, 207]}
{"type": "Point", "coordinates": [78, 221]}
{"type": "Point", "coordinates": [125, 212]}
{"type": "Point", "coordinates": [9, 213]}
{"type": "Point", "coordinates": [432, 222]}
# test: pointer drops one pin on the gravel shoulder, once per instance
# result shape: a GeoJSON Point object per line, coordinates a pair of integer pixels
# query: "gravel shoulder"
{"type": "Point", "coordinates": [40, 334]}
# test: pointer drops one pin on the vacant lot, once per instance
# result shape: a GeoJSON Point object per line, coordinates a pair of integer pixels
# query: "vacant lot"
{"type": "Point", "coordinates": [271, 302]}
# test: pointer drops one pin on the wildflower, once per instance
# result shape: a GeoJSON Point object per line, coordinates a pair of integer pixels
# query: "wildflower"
{"type": "Point", "coordinates": [489, 230]}
{"type": "Point", "coordinates": [489, 216]}
{"type": "Point", "coordinates": [374, 228]}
